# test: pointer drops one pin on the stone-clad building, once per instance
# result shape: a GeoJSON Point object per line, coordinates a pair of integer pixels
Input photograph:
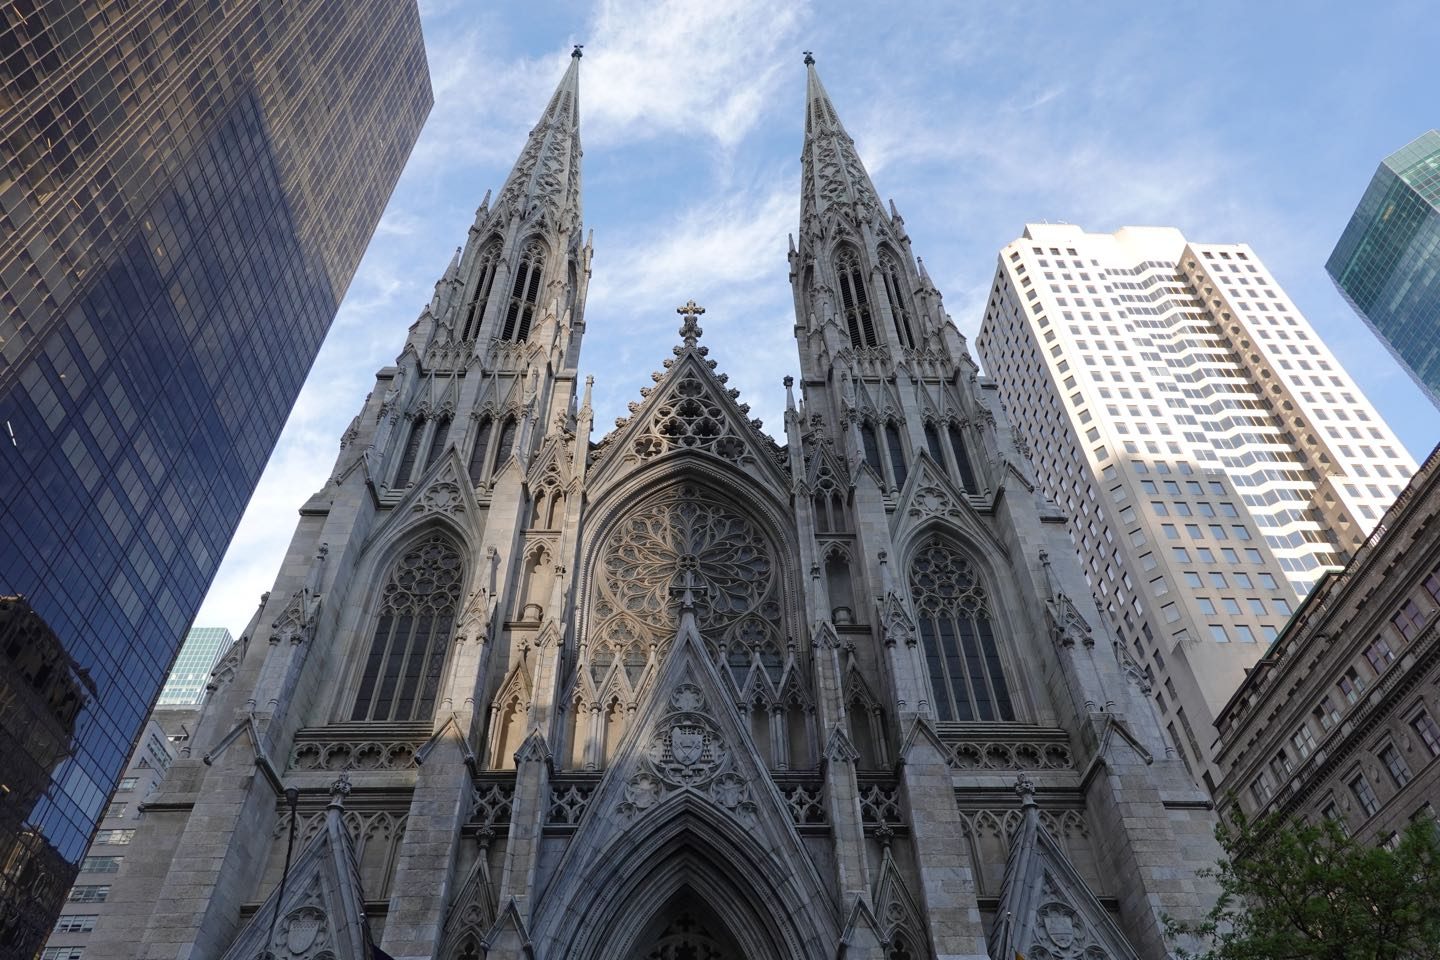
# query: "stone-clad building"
{"type": "Point", "coordinates": [682, 691]}
{"type": "Point", "coordinates": [1341, 718]}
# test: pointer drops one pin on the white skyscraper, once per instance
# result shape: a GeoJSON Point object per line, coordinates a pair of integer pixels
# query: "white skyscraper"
{"type": "Point", "coordinates": [1214, 456]}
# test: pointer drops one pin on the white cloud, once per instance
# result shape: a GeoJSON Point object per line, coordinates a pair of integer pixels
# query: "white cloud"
{"type": "Point", "coordinates": [690, 68]}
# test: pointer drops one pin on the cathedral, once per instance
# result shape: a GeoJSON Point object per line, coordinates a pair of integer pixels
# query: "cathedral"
{"type": "Point", "coordinates": [676, 691]}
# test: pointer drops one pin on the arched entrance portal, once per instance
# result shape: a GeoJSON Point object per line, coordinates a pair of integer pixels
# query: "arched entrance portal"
{"type": "Point", "coordinates": [685, 929]}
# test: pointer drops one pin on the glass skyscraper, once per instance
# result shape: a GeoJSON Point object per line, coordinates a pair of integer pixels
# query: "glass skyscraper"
{"type": "Point", "coordinates": [1387, 263]}
{"type": "Point", "coordinates": [186, 189]}
{"type": "Point", "coordinates": [202, 649]}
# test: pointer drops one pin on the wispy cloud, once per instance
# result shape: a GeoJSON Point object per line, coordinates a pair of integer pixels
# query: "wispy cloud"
{"type": "Point", "coordinates": [975, 118]}
{"type": "Point", "coordinates": [708, 68]}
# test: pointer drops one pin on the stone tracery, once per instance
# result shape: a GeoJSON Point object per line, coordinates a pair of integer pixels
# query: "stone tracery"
{"type": "Point", "coordinates": [682, 534]}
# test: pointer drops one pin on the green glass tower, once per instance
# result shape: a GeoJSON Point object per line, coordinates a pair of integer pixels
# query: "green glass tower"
{"type": "Point", "coordinates": [1387, 263]}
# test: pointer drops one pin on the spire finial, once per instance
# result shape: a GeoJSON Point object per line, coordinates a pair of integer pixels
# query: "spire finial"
{"type": "Point", "coordinates": [690, 328]}
{"type": "Point", "coordinates": [809, 58]}
{"type": "Point", "coordinates": [576, 54]}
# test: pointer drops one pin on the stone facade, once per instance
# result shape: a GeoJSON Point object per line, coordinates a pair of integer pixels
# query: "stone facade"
{"type": "Point", "coordinates": [683, 691]}
{"type": "Point", "coordinates": [1341, 718]}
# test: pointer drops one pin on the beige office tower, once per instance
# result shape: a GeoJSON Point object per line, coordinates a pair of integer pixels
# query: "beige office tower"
{"type": "Point", "coordinates": [1213, 455]}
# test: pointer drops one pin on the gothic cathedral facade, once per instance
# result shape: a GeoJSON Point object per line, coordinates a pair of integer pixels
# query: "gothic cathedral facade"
{"type": "Point", "coordinates": [681, 692]}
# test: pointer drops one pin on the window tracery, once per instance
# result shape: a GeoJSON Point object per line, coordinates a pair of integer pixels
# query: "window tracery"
{"type": "Point", "coordinates": [897, 454]}
{"type": "Point", "coordinates": [966, 671]}
{"type": "Point", "coordinates": [829, 503]}
{"type": "Point", "coordinates": [401, 674]}
{"type": "Point", "coordinates": [506, 442]}
{"type": "Point", "coordinates": [439, 433]}
{"type": "Point", "coordinates": [524, 293]}
{"type": "Point", "coordinates": [962, 458]}
{"type": "Point", "coordinates": [685, 534]}
{"type": "Point", "coordinates": [932, 443]}
{"type": "Point", "coordinates": [411, 453]}
{"type": "Point", "coordinates": [488, 264]}
{"type": "Point", "coordinates": [893, 278]}
{"type": "Point", "coordinates": [855, 299]}
{"type": "Point", "coordinates": [477, 452]}
{"type": "Point", "coordinates": [690, 418]}
{"type": "Point", "coordinates": [872, 448]}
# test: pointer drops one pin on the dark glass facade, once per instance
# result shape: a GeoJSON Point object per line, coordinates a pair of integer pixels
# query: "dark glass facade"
{"type": "Point", "coordinates": [187, 188]}
{"type": "Point", "coordinates": [1387, 263]}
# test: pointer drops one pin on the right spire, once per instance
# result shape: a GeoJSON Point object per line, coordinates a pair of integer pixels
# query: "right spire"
{"type": "Point", "coordinates": [857, 285]}
{"type": "Point", "coordinates": [836, 183]}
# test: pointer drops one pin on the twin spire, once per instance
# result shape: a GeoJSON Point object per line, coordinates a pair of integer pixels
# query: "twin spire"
{"type": "Point", "coordinates": [546, 177]}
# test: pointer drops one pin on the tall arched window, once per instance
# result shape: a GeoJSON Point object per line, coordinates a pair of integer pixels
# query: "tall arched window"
{"type": "Point", "coordinates": [897, 454]}
{"type": "Point", "coordinates": [411, 452]}
{"type": "Point", "coordinates": [854, 299]}
{"type": "Point", "coordinates": [932, 443]}
{"type": "Point", "coordinates": [966, 674]}
{"type": "Point", "coordinates": [872, 448]}
{"type": "Point", "coordinates": [895, 290]}
{"type": "Point", "coordinates": [488, 264]}
{"type": "Point", "coordinates": [506, 443]}
{"type": "Point", "coordinates": [437, 441]}
{"type": "Point", "coordinates": [477, 453]}
{"type": "Point", "coordinates": [962, 459]}
{"type": "Point", "coordinates": [524, 293]}
{"type": "Point", "coordinates": [401, 675]}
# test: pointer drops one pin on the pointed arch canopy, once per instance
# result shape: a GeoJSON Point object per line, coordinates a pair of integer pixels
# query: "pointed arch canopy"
{"type": "Point", "coordinates": [855, 297]}
{"type": "Point", "coordinates": [524, 291]}
{"type": "Point", "coordinates": [685, 853]}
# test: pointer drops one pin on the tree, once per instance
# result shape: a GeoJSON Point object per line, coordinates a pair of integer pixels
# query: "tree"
{"type": "Point", "coordinates": [1297, 891]}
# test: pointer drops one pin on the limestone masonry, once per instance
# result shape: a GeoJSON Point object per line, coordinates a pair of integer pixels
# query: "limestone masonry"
{"type": "Point", "coordinates": [681, 691]}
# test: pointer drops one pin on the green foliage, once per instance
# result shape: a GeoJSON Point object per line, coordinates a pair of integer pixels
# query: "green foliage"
{"type": "Point", "coordinates": [1298, 891]}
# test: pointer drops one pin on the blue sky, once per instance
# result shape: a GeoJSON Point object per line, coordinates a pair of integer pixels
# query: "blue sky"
{"type": "Point", "coordinates": [1237, 122]}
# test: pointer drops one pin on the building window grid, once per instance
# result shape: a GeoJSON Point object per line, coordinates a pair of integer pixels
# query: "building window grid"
{"type": "Point", "coordinates": [1395, 765]}
{"type": "Point", "coordinates": [1427, 730]}
{"type": "Point", "coordinates": [1364, 794]}
{"type": "Point", "coordinates": [1409, 619]}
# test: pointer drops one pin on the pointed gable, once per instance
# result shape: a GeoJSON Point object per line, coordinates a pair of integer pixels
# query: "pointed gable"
{"type": "Point", "coordinates": [321, 901]}
{"type": "Point", "coordinates": [929, 494]}
{"type": "Point", "coordinates": [1046, 908]}
{"type": "Point", "coordinates": [691, 410]}
{"type": "Point", "coordinates": [687, 757]}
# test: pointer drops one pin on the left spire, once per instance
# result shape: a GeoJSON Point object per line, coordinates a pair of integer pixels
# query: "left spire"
{"type": "Point", "coordinates": [545, 182]}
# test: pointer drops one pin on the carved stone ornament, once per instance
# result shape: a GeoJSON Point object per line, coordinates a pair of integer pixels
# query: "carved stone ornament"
{"type": "Point", "coordinates": [932, 501]}
{"type": "Point", "coordinates": [443, 497]}
{"type": "Point", "coordinates": [1061, 932]}
{"type": "Point", "coordinates": [687, 751]}
{"type": "Point", "coordinates": [1067, 626]}
{"type": "Point", "coordinates": [305, 929]}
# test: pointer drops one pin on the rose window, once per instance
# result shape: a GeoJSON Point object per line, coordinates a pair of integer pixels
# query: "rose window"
{"type": "Point", "coordinates": [682, 538]}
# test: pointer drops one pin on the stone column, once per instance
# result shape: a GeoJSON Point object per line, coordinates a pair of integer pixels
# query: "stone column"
{"type": "Point", "coordinates": [424, 864]}
{"type": "Point", "coordinates": [947, 881]}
